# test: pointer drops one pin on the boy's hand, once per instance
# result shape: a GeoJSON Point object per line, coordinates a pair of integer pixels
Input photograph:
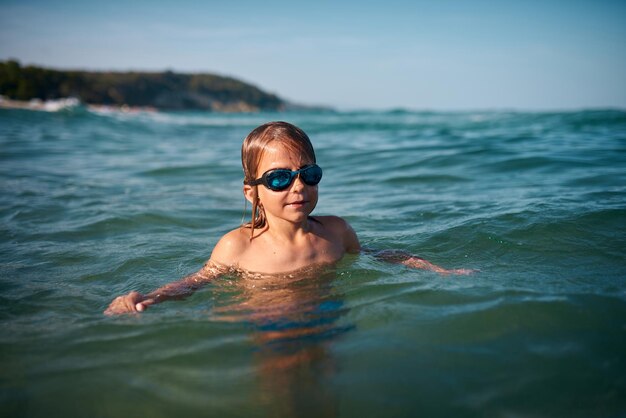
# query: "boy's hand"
{"type": "Point", "coordinates": [132, 302]}
{"type": "Point", "coordinates": [420, 263]}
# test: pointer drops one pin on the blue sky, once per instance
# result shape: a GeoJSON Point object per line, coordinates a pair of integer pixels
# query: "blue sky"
{"type": "Point", "coordinates": [441, 55]}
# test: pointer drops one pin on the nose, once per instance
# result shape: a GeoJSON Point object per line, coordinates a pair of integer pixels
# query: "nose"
{"type": "Point", "coordinates": [298, 184]}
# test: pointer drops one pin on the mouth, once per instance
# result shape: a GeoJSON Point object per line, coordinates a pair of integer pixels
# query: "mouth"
{"type": "Point", "coordinates": [297, 203]}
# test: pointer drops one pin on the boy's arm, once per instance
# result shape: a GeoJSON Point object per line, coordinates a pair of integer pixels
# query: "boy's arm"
{"type": "Point", "coordinates": [137, 302]}
{"type": "Point", "coordinates": [225, 253]}
{"type": "Point", "coordinates": [409, 260]}
{"type": "Point", "coordinates": [351, 241]}
{"type": "Point", "coordinates": [353, 246]}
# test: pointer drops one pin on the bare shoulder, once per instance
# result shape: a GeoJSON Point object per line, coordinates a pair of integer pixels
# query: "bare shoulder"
{"type": "Point", "coordinates": [231, 246]}
{"type": "Point", "coordinates": [333, 222]}
{"type": "Point", "coordinates": [340, 228]}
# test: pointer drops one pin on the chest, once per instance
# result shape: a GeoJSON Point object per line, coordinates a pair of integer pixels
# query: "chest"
{"type": "Point", "coordinates": [272, 257]}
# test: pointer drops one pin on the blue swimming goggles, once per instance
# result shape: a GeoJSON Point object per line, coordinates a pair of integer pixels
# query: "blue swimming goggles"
{"type": "Point", "coordinates": [281, 178]}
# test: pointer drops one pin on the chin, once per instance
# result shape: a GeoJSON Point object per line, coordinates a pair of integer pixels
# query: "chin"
{"type": "Point", "coordinates": [300, 217]}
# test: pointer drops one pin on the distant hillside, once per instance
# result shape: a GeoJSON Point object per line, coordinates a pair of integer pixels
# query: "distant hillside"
{"type": "Point", "coordinates": [165, 90]}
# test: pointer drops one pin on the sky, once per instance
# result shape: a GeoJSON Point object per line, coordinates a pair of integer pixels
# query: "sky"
{"type": "Point", "coordinates": [418, 55]}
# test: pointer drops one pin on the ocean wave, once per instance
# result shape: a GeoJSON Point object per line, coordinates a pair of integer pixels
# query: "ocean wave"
{"type": "Point", "coordinates": [52, 105]}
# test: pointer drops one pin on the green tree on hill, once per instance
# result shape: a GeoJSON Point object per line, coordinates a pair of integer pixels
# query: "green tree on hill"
{"type": "Point", "coordinates": [164, 90]}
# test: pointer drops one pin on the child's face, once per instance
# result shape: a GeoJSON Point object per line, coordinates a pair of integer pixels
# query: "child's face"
{"type": "Point", "coordinates": [295, 203]}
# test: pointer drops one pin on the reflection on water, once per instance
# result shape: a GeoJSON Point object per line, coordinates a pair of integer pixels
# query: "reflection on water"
{"type": "Point", "coordinates": [294, 320]}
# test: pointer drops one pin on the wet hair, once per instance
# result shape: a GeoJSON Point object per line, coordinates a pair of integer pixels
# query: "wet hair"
{"type": "Point", "coordinates": [284, 134]}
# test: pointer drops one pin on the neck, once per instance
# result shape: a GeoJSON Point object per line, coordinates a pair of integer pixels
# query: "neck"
{"type": "Point", "coordinates": [288, 231]}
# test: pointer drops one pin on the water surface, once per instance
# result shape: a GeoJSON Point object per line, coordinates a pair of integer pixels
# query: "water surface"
{"type": "Point", "coordinates": [95, 205]}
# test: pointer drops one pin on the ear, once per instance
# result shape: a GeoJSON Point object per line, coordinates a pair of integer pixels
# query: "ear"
{"type": "Point", "coordinates": [249, 192]}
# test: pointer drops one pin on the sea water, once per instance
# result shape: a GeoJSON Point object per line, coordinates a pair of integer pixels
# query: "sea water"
{"type": "Point", "coordinates": [94, 205]}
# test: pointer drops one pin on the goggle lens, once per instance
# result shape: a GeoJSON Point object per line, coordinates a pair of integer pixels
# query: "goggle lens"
{"type": "Point", "coordinates": [280, 179]}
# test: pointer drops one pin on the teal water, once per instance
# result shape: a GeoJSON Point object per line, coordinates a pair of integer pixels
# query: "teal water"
{"type": "Point", "coordinates": [95, 205]}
